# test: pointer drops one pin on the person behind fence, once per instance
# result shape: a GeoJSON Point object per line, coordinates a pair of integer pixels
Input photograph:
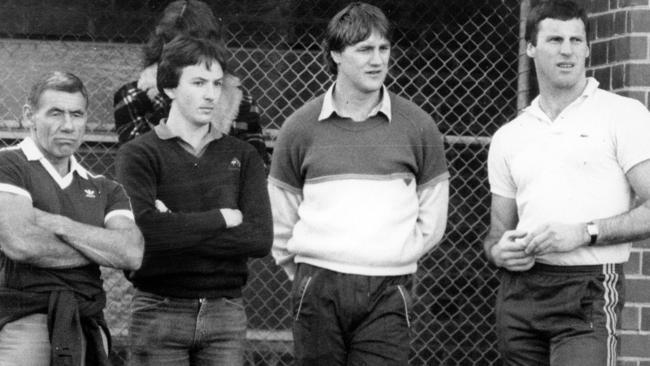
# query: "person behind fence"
{"type": "Point", "coordinates": [200, 198]}
{"type": "Point", "coordinates": [563, 176]}
{"type": "Point", "coordinates": [139, 106]}
{"type": "Point", "coordinates": [359, 192]}
{"type": "Point", "coordinates": [58, 224]}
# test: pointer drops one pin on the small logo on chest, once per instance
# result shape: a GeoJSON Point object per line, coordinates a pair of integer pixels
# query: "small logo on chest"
{"type": "Point", "coordinates": [90, 193]}
{"type": "Point", "coordinates": [235, 164]}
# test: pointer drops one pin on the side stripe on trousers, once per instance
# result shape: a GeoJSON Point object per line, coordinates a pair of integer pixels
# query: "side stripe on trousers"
{"type": "Point", "coordinates": [611, 299]}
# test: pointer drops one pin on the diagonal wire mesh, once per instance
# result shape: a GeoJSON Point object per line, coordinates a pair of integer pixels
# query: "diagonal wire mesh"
{"type": "Point", "coordinates": [456, 59]}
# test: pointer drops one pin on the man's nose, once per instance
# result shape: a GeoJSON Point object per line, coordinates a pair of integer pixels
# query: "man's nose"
{"type": "Point", "coordinates": [67, 122]}
{"type": "Point", "coordinates": [566, 47]}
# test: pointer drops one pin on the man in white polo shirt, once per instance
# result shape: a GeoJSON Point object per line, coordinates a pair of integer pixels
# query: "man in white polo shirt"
{"type": "Point", "coordinates": [563, 176]}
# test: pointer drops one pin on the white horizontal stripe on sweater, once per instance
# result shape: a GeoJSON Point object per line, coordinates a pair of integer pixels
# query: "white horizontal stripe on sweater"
{"type": "Point", "coordinates": [362, 226]}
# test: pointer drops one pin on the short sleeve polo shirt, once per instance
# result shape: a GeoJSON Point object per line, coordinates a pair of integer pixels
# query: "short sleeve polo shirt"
{"type": "Point", "coordinates": [572, 169]}
{"type": "Point", "coordinates": [80, 195]}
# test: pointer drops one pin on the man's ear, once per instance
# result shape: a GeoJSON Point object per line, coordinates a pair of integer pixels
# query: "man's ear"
{"type": "Point", "coordinates": [530, 50]}
{"type": "Point", "coordinates": [336, 56]}
{"type": "Point", "coordinates": [170, 92]}
{"type": "Point", "coordinates": [28, 115]}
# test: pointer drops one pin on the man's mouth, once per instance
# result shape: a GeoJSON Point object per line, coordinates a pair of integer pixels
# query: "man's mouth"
{"type": "Point", "coordinates": [565, 65]}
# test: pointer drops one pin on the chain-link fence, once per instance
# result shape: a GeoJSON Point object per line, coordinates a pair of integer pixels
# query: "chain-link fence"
{"type": "Point", "coordinates": [456, 59]}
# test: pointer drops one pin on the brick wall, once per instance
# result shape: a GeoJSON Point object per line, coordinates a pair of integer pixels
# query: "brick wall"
{"type": "Point", "coordinates": [620, 60]}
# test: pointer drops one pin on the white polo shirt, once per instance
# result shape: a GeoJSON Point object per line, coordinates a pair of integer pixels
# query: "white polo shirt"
{"type": "Point", "coordinates": [572, 169]}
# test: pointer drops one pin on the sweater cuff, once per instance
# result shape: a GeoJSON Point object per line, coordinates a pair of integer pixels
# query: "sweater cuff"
{"type": "Point", "coordinates": [211, 220]}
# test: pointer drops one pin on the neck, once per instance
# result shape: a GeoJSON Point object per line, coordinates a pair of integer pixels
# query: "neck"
{"type": "Point", "coordinates": [353, 103]}
{"type": "Point", "coordinates": [553, 100]}
{"type": "Point", "coordinates": [61, 165]}
{"type": "Point", "coordinates": [192, 133]}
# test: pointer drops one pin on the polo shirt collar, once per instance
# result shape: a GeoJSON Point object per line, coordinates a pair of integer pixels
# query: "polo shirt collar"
{"type": "Point", "coordinates": [33, 153]}
{"type": "Point", "coordinates": [589, 90]}
{"type": "Point", "coordinates": [328, 108]}
{"type": "Point", "coordinates": [165, 133]}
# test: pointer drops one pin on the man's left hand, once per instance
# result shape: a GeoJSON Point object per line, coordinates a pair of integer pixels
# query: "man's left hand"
{"type": "Point", "coordinates": [556, 237]}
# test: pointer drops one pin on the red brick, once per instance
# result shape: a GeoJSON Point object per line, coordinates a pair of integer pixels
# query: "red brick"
{"type": "Point", "coordinates": [630, 318]}
{"type": "Point", "coordinates": [635, 345]}
{"type": "Point", "coordinates": [633, 265]}
{"type": "Point", "coordinates": [639, 20]}
{"type": "Point", "coordinates": [597, 6]}
{"type": "Point", "coordinates": [645, 243]}
{"type": "Point", "coordinates": [637, 290]}
{"type": "Point", "coordinates": [598, 55]}
{"type": "Point", "coordinates": [637, 74]}
{"type": "Point", "coordinates": [604, 77]}
{"type": "Point", "coordinates": [604, 25]}
{"type": "Point", "coordinates": [645, 319]}
{"type": "Point", "coordinates": [628, 48]}
{"type": "Point", "coordinates": [628, 3]}
{"type": "Point", "coordinates": [641, 97]}
{"type": "Point", "coordinates": [620, 22]}
{"type": "Point", "coordinates": [618, 77]}
{"type": "Point", "coordinates": [645, 264]}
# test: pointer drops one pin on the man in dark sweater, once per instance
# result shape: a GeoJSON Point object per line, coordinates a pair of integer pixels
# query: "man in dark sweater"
{"type": "Point", "coordinates": [200, 199]}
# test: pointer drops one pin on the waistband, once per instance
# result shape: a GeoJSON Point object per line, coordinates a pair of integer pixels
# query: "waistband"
{"type": "Point", "coordinates": [585, 269]}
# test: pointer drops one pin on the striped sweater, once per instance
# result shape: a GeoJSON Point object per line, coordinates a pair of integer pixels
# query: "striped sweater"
{"type": "Point", "coordinates": [365, 197]}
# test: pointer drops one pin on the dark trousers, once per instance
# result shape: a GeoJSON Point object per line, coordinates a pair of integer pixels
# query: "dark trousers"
{"type": "Point", "coordinates": [352, 320]}
{"type": "Point", "coordinates": [560, 315]}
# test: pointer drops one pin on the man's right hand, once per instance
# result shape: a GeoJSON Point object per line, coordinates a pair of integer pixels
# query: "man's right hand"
{"type": "Point", "coordinates": [232, 217]}
{"type": "Point", "coordinates": [509, 252]}
{"type": "Point", "coordinates": [147, 81]}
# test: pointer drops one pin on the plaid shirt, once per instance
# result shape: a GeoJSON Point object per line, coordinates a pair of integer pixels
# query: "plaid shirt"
{"type": "Point", "coordinates": [135, 113]}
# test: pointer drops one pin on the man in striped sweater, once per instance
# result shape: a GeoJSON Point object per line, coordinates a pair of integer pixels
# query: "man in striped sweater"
{"type": "Point", "coordinates": [359, 191]}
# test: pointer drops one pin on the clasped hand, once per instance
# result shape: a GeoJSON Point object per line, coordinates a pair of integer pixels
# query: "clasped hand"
{"type": "Point", "coordinates": [517, 249]}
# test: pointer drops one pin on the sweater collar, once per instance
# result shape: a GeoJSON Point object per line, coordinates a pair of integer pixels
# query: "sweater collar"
{"type": "Point", "coordinates": [329, 108]}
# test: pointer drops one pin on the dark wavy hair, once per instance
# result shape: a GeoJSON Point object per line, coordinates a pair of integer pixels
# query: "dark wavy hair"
{"type": "Point", "coordinates": [185, 51]}
{"type": "Point", "coordinates": [191, 17]}
{"type": "Point", "coordinates": [353, 24]}
{"type": "Point", "coordinates": [554, 9]}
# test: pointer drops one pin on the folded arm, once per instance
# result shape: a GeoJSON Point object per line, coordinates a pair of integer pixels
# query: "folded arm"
{"type": "Point", "coordinates": [118, 245]}
{"type": "Point", "coordinates": [24, 240]}
{"type": "Point", "coordinates": [253, 237]}
{"type": "Point", "coordinates": [165, 231]}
